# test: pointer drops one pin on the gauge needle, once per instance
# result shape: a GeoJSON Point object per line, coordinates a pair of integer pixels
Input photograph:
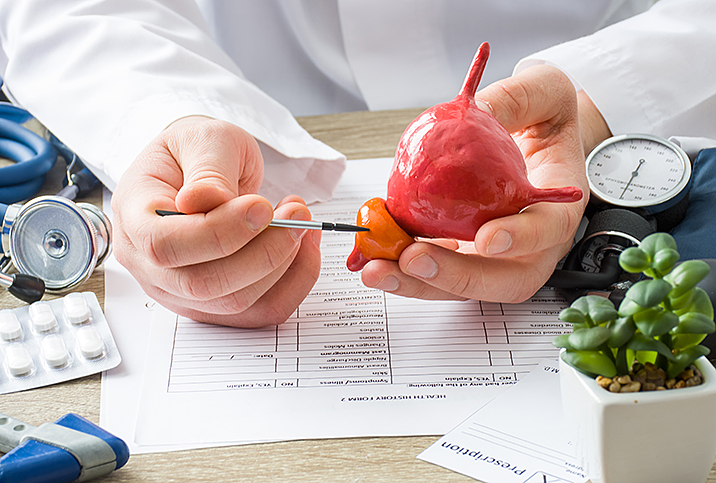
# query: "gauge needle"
{"type": "Point", "coordinates": [634, 174]}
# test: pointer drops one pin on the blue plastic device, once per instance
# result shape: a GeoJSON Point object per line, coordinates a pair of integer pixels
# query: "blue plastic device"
{"type": "Point", "coordinates": [71, 449]}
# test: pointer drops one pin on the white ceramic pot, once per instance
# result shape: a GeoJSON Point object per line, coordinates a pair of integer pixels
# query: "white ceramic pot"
{"type": "Point", "coordinates": [659, 436]}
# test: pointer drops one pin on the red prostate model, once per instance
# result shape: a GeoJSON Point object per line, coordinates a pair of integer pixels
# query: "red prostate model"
{"type": "Point", "coordinates": [456, 168]}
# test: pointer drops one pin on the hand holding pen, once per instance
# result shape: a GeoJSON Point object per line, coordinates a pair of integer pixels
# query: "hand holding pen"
{"type": "Point", "coordinates": [223, 267]}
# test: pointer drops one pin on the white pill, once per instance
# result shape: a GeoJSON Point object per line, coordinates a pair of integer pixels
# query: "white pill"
{"type": "Point", "coordinates": [54, 350]}
{"type": "Point", "coordinates": [18, 360]}
{"type": "Point", "coordinates": [90, 342]}
{"type": "Point", "coordinates": [10, 328]}
{"type": "Point", "coordinates": [76, 308]}
{"type": "Point", "coordinates": [42, 317]}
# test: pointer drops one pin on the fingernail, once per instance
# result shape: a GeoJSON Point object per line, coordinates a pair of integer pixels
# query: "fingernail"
{"type": "Point", "coordinates": [388, 284]}
{"type": "Point", "coordinates": [259, 216]}
{"type": "Point", "coordinates": [501, 242]}
{"type": "Point", "coordinates": [297, 233]}
{"type": "Point", "coordinates": [422, 266]}
{"type": "Point", "coordinates": [483, 106]}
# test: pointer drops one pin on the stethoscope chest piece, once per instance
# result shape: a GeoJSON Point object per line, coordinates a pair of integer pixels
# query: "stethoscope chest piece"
{"type": "Point", "coordinates": [56, 240]}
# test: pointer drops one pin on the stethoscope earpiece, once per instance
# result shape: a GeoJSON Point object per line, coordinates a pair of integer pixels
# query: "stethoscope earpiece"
{"type": "Point", "coordinates": [25, 287]}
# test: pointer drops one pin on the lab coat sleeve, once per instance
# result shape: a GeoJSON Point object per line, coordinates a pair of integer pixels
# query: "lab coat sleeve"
{"type": "Point", "coordinates": [653, 73]}
{"type": "Point", "coordinates": [107, 76]}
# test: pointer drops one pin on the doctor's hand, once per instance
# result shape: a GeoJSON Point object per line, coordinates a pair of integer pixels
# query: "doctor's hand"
{"type": "Point", "coordinates": [513, 256]}
{"type": "Point", "coordinates": [219, 263]}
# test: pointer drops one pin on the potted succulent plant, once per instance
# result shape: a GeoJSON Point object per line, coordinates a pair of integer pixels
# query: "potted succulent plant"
{"type": "Point", "coordinates": [638, 393]}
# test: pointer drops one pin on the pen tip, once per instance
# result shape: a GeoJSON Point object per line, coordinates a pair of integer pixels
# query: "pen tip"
{"type": "Point", "coordinates": [167, 212]}
{"type": "Point", "coordinates": [344, 227]}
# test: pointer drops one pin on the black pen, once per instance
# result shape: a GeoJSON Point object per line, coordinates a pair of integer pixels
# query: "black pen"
{"type": "Point", "coordinates": [300, 224]}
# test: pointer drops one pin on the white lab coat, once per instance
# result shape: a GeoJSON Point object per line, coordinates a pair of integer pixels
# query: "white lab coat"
{"type": "Point", "coordinates": [106, 77]}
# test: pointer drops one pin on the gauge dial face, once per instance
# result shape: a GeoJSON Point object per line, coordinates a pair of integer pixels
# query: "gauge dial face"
{"type": "Point", "coordinates": [637, 170]}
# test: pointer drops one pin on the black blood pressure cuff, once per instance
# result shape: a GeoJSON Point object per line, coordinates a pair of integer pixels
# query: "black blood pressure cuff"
{"type": "Point", "coordinates": [696, 234]}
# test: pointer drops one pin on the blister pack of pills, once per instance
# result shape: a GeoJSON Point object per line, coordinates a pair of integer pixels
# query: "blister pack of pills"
{"type": "Point", "coordinates": [53, 341]}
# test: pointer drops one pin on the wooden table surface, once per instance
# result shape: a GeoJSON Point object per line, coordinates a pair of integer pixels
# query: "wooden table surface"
{"type": "Point", "coordinates": [358, 135]}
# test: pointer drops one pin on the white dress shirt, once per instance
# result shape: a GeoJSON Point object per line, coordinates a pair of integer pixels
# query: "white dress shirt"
{"type": "Point", "coordinates": [107, 76]}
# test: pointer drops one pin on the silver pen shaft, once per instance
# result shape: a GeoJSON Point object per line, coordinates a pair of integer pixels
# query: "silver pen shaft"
{"type": "Point", "coordinates": [300, 224]}
{"type": "Point", "coordinates": [306, 225]}
{"type": "Point", "coordinates": [317, 225]}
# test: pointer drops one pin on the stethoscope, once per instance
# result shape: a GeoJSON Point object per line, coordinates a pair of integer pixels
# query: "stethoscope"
{"type": "Point", "coordinates": [53, 242]}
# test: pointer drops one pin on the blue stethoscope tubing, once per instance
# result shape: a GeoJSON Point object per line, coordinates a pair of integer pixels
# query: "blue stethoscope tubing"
{"type": "Point", "coordinates": [33, 156]}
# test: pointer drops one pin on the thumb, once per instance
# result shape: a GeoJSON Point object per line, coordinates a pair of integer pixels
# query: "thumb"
{"type": "Point", "coordinates": [219, 160]}
{"type": "Point", "coordinates": [539, 94]}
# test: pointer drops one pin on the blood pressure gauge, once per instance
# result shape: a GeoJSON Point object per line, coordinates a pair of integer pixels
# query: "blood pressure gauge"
{"type": "Point", "coordinates": [639, 171]}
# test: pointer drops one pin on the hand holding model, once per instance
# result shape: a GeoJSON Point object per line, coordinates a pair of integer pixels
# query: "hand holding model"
{"type": "Point", "coordinates": [512, 253]}
{"type": "Point", "coordinates": [455, 168]}
{"type": "Point", "coordinates": [220, 264]}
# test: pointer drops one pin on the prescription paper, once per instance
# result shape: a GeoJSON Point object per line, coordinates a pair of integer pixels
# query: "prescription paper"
{"type": "Point", "coordinates": [352, 361]}
{"type": "Point", "coordinates": [518, 437]}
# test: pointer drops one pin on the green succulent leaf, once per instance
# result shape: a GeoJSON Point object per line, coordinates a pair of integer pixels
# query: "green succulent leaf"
{"type": "Point", "coordinates": [572, 315]}
{"type": "Point", "coordinates": [700, 302]}
{"type": "Point", "coordinates": [649, 293]}
{"type": "Point", "coordinates": [685, 358]}
{"type": "Point", "coordinates": [686, 275]}
{"type": "Point", "coordinates": [680, 342]}
{"type": "Point", "coordinates": [598, 308]}
{"type": "Point", "coordinates": [694, 323]}
{"type": "Point", "coordinates": [634, 260]}
{"type": "Point", "coordinates": [629, 307]}
{"type": "Point", "coordinates": [562, 341]}
{"type": "Point", "coordinates": [646, 356]}
{"type": "Point", "coordinates": [622, 330]}
{"type": "Point", "coordinates": [682, 301]}
{"type": "Point", "coordinates": [622, 362]}
{"type": "Point", "coordinates": [657, 242]}
{"type": "Point", "coordinates": [589, 339]}
{"type": "Point", "coordinates": [664, 260]}
{"type": "Point", "coordinates": [655, 321]}
{"type": "Point", "coordinates": [590, 362]}
{"type": "Point", "coordinates": [640, 342]}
